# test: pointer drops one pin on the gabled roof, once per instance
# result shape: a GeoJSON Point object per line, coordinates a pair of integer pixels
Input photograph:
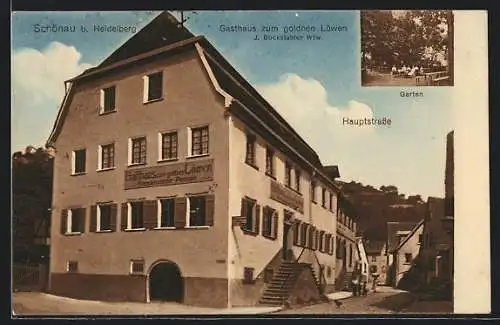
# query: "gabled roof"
{"type": "Point", "coordinates": [411, 234]}
{"type": "Point", "coordinates": [392, 228]}
{"type": "Point", "coordinates": [374, 246]}
{"type": "Point", "coordinates": [163, 36]}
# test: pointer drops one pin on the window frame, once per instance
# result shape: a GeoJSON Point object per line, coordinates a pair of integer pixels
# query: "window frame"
{"type": "Point", "coordinates": [313, 185]}
{"type": "Point", "coordinates": [98, 217]}
{"type": "Point", "coordinates": [146, 87]}
{"type": "Point", "coordinates": [188, 210]}
{"type": "Point", "coordinates": [102, 109]}
{"type": "Point", "coordinates": [100, 156]}
{"type": "Point", "coordinates": [191, 131]}
{"type": "Point", "coordinates": [69, 221]}
{"type": "Point", "coordinates": [255, 228]}
{"type": "Point", "coordinates": [159, 205]}
{"type": "Point", "coordinates": [70, 269]}
{"type": "Point", "coordinates": [134, 262]}
{"type": "Point", "coordinates": [288, 174]}
{"type": "Point", "coordinates": [129, 216]}
{"type": "Point", "coordinates": [161, 135]}
{"type": "Point", "coordinates": [74, 160]}
{"type": "Point", "coordinates": [131, 142]}
{"type": "Point", "coordinates": [270, 165]}
{"type": "Point", "coordinates": [269, 218]}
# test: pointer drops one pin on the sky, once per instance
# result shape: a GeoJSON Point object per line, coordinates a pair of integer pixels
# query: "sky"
{"type": "Point", "coordinates": [313, 84]}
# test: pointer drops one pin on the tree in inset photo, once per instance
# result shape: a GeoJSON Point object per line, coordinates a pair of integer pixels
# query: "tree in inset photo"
{"type": "Point", "coordinates": [407, 47]}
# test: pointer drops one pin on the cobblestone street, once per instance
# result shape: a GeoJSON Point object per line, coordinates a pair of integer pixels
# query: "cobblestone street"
{"type": "Point", "coordinates": [385, 301]}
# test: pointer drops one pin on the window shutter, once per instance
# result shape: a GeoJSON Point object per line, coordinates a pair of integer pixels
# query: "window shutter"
{"type": "Point", "coordinates": [124, 216]}
{"type": "Point", "coordinates": [243, 214]}
{"type": "Point", "coordinates": [332, 241]}
{"type": "Point", "coordinates": [180, 212]}
{"type": "Point", "coordinates": [83, 214]}
{"type": "Point", "coordinates": [265, 221]}
{"type": "Point", "coordinates": [257, 219]}
{"type": "Point", "coordinates": [296, 233]}
{"type": "Point", "coordinates": [209, 209]}
{"type": "Point", "coordinates": [112, 223]}
{"type": "Point", "coordinates": [275, 224]}
{"type": "Point", "coordinates": [64, 221]}
{"type": "Point", "coordinates": [93, 218]}
{"type": "Point", "coordinates": [150, 214]}
{"type": "Point", "coordinates": [316, 239]}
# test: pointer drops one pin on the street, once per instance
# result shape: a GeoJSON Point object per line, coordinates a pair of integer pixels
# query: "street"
{"type": "Point", "coordinates": [385, 301]}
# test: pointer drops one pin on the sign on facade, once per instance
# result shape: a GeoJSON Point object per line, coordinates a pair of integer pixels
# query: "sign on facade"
{"type": "Point", "coordinates": [166, 175]}
{"type": "Point", "coordinates": [287, 196]}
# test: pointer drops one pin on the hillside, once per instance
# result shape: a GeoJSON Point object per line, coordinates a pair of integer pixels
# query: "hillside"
{"type": "Point", "coordinates": [375, 207]}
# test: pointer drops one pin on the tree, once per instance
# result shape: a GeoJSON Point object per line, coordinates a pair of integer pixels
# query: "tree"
{"type": "Point", "coordinates": [413, 37]}
{"type": "Point", "coordinates": [32, 173]}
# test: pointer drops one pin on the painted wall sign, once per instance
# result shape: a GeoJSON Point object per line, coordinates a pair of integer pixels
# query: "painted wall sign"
{"type": "Point", "coordinates": [287, 196]}
{"type": "Point", "coordinates": [165, 175]}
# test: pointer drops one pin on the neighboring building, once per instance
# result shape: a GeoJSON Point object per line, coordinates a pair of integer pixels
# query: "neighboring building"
{"type": "Point", "coordinates": [175, 180]}
{"type": "Point", "coordinates": [377, 260]}
{"type": "Point", "coordinates": [437, 245]}
{"type": "Point", "coordinates": [347, 257]}
{"type": "Point", "coordinates": [396, 233]}
{"type": "Point", "coordinates": [405, 254]}
{"type": "Point", "coordinates": [363, 258]}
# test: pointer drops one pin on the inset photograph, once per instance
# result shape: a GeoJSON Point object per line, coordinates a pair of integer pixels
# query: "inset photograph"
{"type": "Point", "coordinates": [406, 48]}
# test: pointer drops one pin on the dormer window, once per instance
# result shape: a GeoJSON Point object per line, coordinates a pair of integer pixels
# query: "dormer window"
{"type": "Point", "coordinates": [153, 87]}
{"type": "Point", "coordinates": [108, 98]}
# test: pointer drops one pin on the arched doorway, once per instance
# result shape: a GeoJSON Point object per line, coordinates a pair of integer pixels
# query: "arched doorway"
{"type": "Point", "coordinates": [166, 282]}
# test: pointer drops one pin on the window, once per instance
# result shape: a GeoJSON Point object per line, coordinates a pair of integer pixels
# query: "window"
{"type": "Point", "coordinates": [79, 157]}
{"type": "Point", "coordinates": [322, 241]}
{"type": "Point", "coordinates": [373, 269]}
{"type": "Point", "coordinates": [297, 180]}
{"type": "Point", "coordinates": [331, 202]}
{"type": "Point", "coordinates": [303, 234]}
{"type": "Point", "coordinates": [251, 213]}
{"type": "Point", "coordinates": [197, 211]}
{"type": "Point", "coordinates": [248, 275]}
{"type": "Point", "coordinates": [108, 99]}
{"type": "Point", "coordinates": [75, 220]}
{"type": "Point", "coordinates": [270, 223]}
{"type": "Point", "coordinates": [328, 272]}
{"type": "Point", "coordinates": [408, 258]}
{"type": "Point", "coordinates": [168, 146]}
{"type": "Point", "coordinates": [136, 215]}
{"type": "Point", "coordinates": [104, 217]}
{"type": "Point", "coordinates": [374, 258]}
{"type": "Point", "coordinates": [313, 191]}
{"type": "Point", "coordinates": [328, 238]}
{"type": "Point", "coordinates": [199, 141]}
{"type": "Point", "coordinates": [72, 266]}
{"type": "Point", "coordinates": [167, 212]}
{"type": "Point", "coordinates": [420, 239]}
{"type": "Point", "coordinates": [288, 174]}
{"type": "Point", "coordinates": [323, 197]}
{"type": "Point", "coordinates": [107, 156]}
{"type": "Point", "coordinates": [137, 266]}
{"type": "Point", "coordinates": [153, 86]}
{"type": "Point", "coordinates": [350, 255]}
{"type": "Point", "coordinates": [137, 151]}
{"type": "Point", "coordinates": [269, 162]}
{"type": "Point", "coordinates": [250, 154]}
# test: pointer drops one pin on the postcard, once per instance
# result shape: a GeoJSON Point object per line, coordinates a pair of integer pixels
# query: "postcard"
{"type": "Point", "coordinates": [250, 162]}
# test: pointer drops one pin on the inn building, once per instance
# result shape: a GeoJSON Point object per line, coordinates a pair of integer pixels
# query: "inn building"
{"type": "Point", "coordinates": [175, 180]}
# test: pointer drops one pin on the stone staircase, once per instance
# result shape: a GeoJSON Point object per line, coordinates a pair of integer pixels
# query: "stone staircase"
{"type": "Point", "coordinates": [279, 289]}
